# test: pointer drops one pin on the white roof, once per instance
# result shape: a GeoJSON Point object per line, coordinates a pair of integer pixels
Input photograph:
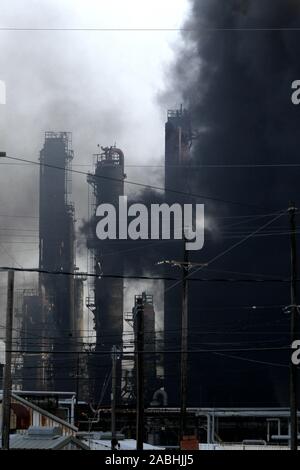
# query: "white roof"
{"type": "Point", "coordinates": [125, 444]}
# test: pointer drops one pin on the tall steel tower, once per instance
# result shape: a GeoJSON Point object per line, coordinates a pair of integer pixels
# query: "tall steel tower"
{"type": "Point", "coordinates": [57, 254]}
{"type": "Point", "coordinates": [106, 299]}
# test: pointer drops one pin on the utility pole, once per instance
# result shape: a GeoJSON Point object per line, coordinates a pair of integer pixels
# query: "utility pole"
{"type": "Point", "coordinates": [113, 396]}
{"type": "Point", "coordinates": [139, 358]}
{"type": "Point", "coordinates": [185, 265]}
{"type": "Point", "coordinates": [294, 330]}
{"type": "Point", "coordinates": [6, 402]}
{"type": "Point", "coordinates": [77, 389]}
{"type": "Point", "coordinates": [184, 345]}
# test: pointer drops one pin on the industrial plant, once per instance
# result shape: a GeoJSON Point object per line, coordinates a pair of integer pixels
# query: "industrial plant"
{"type": "Point", "coordinates": [126, 378]}
{"type": "Point", "coordinates": [124, 331]}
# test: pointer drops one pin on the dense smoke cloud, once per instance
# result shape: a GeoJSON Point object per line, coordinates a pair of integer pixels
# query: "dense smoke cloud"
{"type": "Point", "coordinates": [83, 82]}
{"type": "Point", "coordinates": [89, 83]}
{"type": "Point", "coordinates": [234, 74]}
{"type": "Point", "coordinates": [235, 77]}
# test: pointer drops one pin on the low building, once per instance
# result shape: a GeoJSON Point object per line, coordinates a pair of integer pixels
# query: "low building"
{"type": "Point", "coordinates": [25, 414]}
{"type": "Point", "coordinates": [102, 441]}
{"type": "Point", "coordinates": [45, 438]}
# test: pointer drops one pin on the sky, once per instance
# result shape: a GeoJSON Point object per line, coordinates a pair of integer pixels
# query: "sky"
{"type": "Point", "coordinates": [103, 86]}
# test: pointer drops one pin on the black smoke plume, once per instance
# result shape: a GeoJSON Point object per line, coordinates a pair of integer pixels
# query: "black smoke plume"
{"type": "Point", "coordinates": [234, 74]}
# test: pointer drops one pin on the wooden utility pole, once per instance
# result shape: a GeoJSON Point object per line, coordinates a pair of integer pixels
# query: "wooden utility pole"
{"type": "Point", "coordinates": [139, 357]}
{"type": "Point", "coordinates": [294, 330]}
{"type": "Point", "coordinates": [185, 265]}
{"type": "Point", "coordinates": [77, 389]}
{"type": "Point", "coordinates": [6, 401]}
{"type": "Point", "coordinates": [113, 396]}
{"type": "Point", "coordinates": [184, 345]}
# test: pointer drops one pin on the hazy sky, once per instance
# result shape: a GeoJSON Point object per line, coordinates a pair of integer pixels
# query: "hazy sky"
{"type": "Point", "coordinates": [102, 86]}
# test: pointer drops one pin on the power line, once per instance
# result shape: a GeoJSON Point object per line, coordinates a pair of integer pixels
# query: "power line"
{"type": "Point", "coordinates": [109, 30]}
{"type": "Point", "coordinates": [168, 351]}
{"type": "Point", "coordinates": [250, 216]}
{"type": "Point", "coordinates": [182, 29]}
{"type": "Point", "coordinates": [192, 167]}
{"type": "Point", "coordinates": [130, 334]}
{"type": "Point", "coordinates": [256, 361]}
{"type": "Point", "coordinates": [255, 275]}
{"type": "Point", "coordinates": [223, 234]}
{"type": "Point", "coordinates": [137, 277]}
{"type": "Point", "coordinates": [135, 183]}
{"type": "Point", "coordinates": [223, 253]}
{"type": "Point", "coordinates": [20, 216]}
{"type": "Point", "coordinates": [260, 235]}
